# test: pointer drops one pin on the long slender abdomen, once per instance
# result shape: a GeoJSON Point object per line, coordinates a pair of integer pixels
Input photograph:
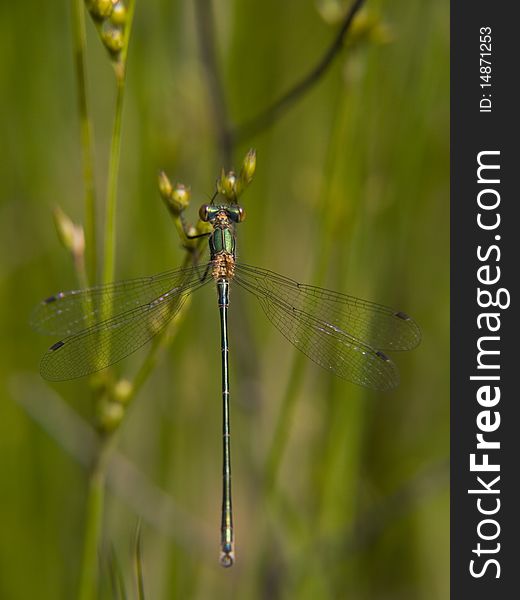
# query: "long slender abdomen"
{"type": "Point", "coordinates": [226, 540]}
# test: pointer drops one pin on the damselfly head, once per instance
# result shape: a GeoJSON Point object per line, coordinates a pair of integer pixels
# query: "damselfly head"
{"type": "Point", "coordinates": [234, 212]}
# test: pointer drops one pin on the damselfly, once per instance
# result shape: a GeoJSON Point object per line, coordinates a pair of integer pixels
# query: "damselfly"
{"type": "Point", "coordinates": [341, 333]}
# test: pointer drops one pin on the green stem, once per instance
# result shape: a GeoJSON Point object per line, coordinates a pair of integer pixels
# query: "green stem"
{"type": "Point", "coordinates": [79, 41]}
{"type": "Point", "coordinates": [113, 171]}
{"type": "Point", "coordinates": [93, 525]}
{"type": "Point", "coordinates": [272, 113]}
{"type": "Point", "coordinates": [208, 49]}
{"type": "Point", "coordinates": [161, 341]}
{"type": "Point", "coordinates": [139, 564]}
{"type": "Point", "coordinates": [325, 224]}
{"type": "Point", "coordinates": [81, 273]}
{"type": "Point", "coordinates": [284, 419]}
{"type": "Point", "coordinates": [283, 424]}
{"type": "Point", "coordinates": [96, 485]}
{"type": "Point", "coordinates": [115, 152]}
{"type": "Point", "coordinates": [274, 496]}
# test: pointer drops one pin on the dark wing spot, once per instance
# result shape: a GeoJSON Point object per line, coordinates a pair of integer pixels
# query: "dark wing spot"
{"type": "Point", "coordinates": [402, 315]}
{"type": "Point", "coordinates": [383, 356]}
{"type": "Point", "coordinates": [57, 345]}
{"type": "Point", "coordinates": [49, 300]}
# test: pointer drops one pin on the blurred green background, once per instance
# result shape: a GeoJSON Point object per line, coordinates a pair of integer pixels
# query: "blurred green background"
{"type": "Point", "coordinates": [351, 193]}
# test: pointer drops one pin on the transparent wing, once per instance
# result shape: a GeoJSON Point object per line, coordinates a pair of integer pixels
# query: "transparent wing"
{"type": "Point", "coordinates": [107, 342]}
{"type": "Point", "coordinates": [70, 312]}
{"type": "Point", "coordinates": [317, 322]}
{"type": "Point", "coordinates": [374, 324]}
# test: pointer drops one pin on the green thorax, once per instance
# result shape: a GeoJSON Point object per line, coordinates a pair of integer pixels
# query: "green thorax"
{"type": "Point", "coordinates": [222, 240]}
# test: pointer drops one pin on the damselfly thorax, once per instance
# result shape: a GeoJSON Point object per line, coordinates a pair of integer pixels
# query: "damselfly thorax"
{"type": "Point", "coordinates": [222, 242]}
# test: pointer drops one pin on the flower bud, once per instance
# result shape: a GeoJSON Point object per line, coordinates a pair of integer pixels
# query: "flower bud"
{"type": "Point", "coordinates": [64, 228]}
{"type": "Point", "coordinates": [70, 235]}
{"type": "Point", "coordinates": [165, 186]}
{"type": "Point", "coordinates": [227, 185]}
{"type": "Point", "coordinates": [181, 196]}
{"type": "Point", "coordinates": [122, 391]}
{"type": "Point", "coordinates": [119, 14]}
{"type": "Point", "coordinates": [110, 416]}
{"type": "Point", "coordinates": [100, 9]}
{"type": "Point", "coordinates": [248, 167]}
{"type": "Point", "coordinates": [112, 37]}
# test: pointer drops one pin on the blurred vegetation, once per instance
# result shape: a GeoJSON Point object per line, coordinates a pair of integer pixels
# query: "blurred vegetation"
{"type": "Point", "coordinates": [339, 492]}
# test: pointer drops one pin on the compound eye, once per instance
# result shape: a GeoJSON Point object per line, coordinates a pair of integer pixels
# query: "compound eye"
{"type": "Point", "coordinates": [236, 213]}
{"type": "Point", "coordinates": [204, 213]}
{"type": "Point", "coordinates": [241, 214]}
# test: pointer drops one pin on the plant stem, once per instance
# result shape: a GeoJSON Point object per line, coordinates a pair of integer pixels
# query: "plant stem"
{"type": "Point", "coordinates": [272, 113]}
{"type": "Point", "coordinates": [111, 198]}
{"type": "Point", "coordinates": [81, 273]}
{"type": "Point", "coordinates": [93, 523]}
{"type": "Point", "coordinates": [79, 41]}
{"type": "Point", "coordinates": [96, 492]}
{"type": "Point", "coordinates": [115, 152]}
{"type": "Point", "coordinates": [283, 422]}
{"type": "Point", "coordinates": [159, 343]}
{"type": "Point", "coordinates": [98, 473]}
{"type": "Point", "coordinates": [274, 495]}
{"type": "Point", "coordinates": [288, 404]}
{"type": "Point", "coordinates": [139, 564]}
{"type": "Point", "coordinates": [208, 50]}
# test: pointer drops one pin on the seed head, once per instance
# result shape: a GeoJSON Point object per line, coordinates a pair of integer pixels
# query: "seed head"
{"type": "Point", "coordinates": [70, 235]}
{"type": "Point", "coordinates": [165, 186]}
{"type": "Point", "coordinates": [112, 36]}
{"type": "Point", "coordinates": [119, 14]}
{"type": "Point", "coordinates": [100, 9]}
{"type": "Point", "coordinates": [181, 196]}
{"type": "Point", "coordinates": [122, 391]}
{"type": "Point", "coordinates": [227, 185]}
{"type": "Point", "coordinates": [248, 167]}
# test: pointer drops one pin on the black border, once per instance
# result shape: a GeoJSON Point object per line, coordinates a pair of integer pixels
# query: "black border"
{"type": "Point", "coordinates": [471, 132]}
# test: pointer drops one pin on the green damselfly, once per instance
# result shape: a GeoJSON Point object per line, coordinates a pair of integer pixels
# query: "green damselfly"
{"type": "Point", "coordinates": [341, 333]}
